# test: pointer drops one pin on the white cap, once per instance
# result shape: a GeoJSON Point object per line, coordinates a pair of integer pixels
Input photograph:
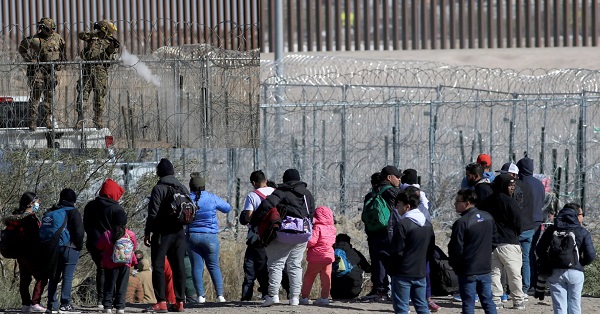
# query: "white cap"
{"type": "Point", "coordinates": [509, 167]}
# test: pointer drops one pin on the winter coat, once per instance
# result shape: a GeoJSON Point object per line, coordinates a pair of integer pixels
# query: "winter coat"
{"type": "Point", "coordinates": [158, 221]}
{"type": "Point", "coordinates": [320, 245]}
{"type": "Point", "coordinates": [349, 286]}
{"type": "Point", "coordinates": [537, 188]}
{"type": "Point", "coordinates": [74, 225]}
{"type": "Point", "coordinates": [98, 215]}
{"type": "Point", "coordinates": [483, 189]}
{"type": "Point", "coordinates": [145, 276]}
{"type": "Point", "coordinates": [412, 244]}
{"type": "Point", "coordinates": [205, 220]}
{"type": "Point", "coordinates": [567, 220]}
{"type": "Point", "coordinates": [505, 211]}
{"type": "Point", "coordinates": [106, 245]}
{"type": "Point", "coordinates": [289, 198]}
{"type": "Point", "coordinates": [388, 195]}
{"type": "Point", "coordinates": [30, 225]}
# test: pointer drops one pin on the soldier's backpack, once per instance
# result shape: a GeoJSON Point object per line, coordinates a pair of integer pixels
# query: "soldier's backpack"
{"type": "Point", "coordinates": [376, 213]}
{"type": "Point", "coordinates": [181, 207]}
{"type": "Point", "coordinates": [341, 265]}
{"type": "Point", "coordinates": [123, 250]}
{"type": "Point", "coordinates": [563, 251]}
{"type": "Point", "coordinates": [11, 237]}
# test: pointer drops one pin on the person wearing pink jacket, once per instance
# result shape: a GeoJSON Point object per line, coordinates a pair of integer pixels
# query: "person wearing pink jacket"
{"type": "Point", "coordinates": [117, 246]}
{"type": "Point", "coordinates": [319, 255]}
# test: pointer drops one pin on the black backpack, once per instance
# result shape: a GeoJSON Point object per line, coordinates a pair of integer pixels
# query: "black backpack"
{"type": "Point", "coordinates": [181, 206]}
{"type": "Point", "coordinates": [11, 240]}
{"type": "Point", "coordinates": [443, 278]}
{"type": "Point", "coordinates": [563, 251]}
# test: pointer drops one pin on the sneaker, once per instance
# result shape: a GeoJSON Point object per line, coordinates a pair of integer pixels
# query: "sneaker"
{"type": "Point", "coordinates": [177, 307]}
{"type": "Point", "coordinates": [433, 307]}
{"type": "Point", "coordinates": [504, 298]}
{"type": "Point", "coordinates": [322, 301]}
{"type": "Point", "coordinates": [304, 301]}
{"type": "Point", "coordinates": [519, 306]}
{"type": "Point", "coordinates": [107, 311]}
{"type": "Point", "coordinates": [121, 311]}
{"type": "Point", "coordinates": [67, 309]}
{"type": "Point", "coordinates": [100, 306]}
{"type": "Point", "coordinates": [456, 298]}
{"type": "Point", "coordinates": [499, 306]}
{"type": "Point", "coordinates": [36, 308]}
{"type": "Point", "coordinates": [294, 301]}
{"type": "Point", "coordinates": [160, 307]}
{"type": "Point", "coordinates": [24, 308]}
{"type": "Point", "coordinates": [526, 298]}
{"type": "Point", "coordinates": [201, 299]}
{"type": "Point", "coordinates": [221, 299]}
{"type": "Point", "coordinates": [270, 300]}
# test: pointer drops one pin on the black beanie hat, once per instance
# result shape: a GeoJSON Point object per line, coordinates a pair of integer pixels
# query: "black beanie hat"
{"type": "Point", "coordinates": [25, 200]}
{"type": "Point", "coordinates": [291, 175]}
{"type": "Point", "coordinates": [196, 182]}
{"type": "Point", "coordinates": [67, 195]}
{"type": "Point", "coordinates": [409, 176]}
{"type": "Point", "coordinates": [164, 168]}
{"type": "Point", "coordinates": [120, 218]}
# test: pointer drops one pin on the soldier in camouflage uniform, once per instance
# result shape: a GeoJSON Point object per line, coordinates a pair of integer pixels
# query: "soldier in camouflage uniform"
{"type": "Point", "coordinates": [100, 45]}
{"type": "Point", "coordinates": [45, 46]}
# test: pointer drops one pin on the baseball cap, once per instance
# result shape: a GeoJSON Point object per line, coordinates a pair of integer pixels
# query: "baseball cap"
{"type": "Point", "coordinates": [509, 167]}
{"type": "Point", "coordinates": [390, 170]}
{"type": "Point", "coordinates": [484, 160]}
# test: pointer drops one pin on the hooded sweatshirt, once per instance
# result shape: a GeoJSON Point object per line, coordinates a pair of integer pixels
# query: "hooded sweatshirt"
{"type": "Point", "coordinates": [290, 195]}
{"type": "Point", "coordinates": [423, 201]}
{"type": "Point", "coordinates": [525, 166]}
{"type": "Point", "coordinates": [99, 214]}
{"type": "Point", "coordinates": [505, 211]}
{"type": "Point", "coordinates": [566, 219]}
{"type": "Point", "coordinates": [157, 220]}
{"type": "Point", "coordinates": [145, 276]}
{"type": "Point", "coordinates": [412, 244]}
{"type": "Point", "coordinates": [320, 245]}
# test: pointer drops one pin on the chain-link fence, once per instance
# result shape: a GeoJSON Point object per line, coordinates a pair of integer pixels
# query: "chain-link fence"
{"type": "Point", "coordinates": [339, 120]}
{"type": "Point", "coordinates": [175, 96]}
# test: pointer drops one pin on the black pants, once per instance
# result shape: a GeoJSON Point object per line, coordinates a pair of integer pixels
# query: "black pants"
{"type": "Point", "coordinates": [255, 268]}
{"type": "Point", "coordinates": [173, 246]}
{"type": "Point", "coordinates": [378, 245]}
{"type": "Point", "coordinates": [100, 277]}
{"type": "Point", "coordinates": [115, 287]}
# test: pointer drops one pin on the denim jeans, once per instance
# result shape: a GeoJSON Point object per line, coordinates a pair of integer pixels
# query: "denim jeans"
{"type": "Point", "coordinates": [470, 287]}
{"type": "Point", "coordinates": [204, 248]}
{"type": "Point", "coordinates": [68, 258]}
{"type": "Point", "coordinates": [525, 240]}
{"type": "Point", "coordinates": [565, 289]}
{"type": "Point", "coordinates": [413, 289]}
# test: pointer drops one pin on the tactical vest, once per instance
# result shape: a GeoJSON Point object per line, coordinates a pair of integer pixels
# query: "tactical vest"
{"type": "Point", "coordinates": [95, 49]}
{"type": "Point", "coordinates": [46, 49]}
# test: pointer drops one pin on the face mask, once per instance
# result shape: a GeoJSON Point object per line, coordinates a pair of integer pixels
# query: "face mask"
{"type": "Point", "coordinates": [35, 207]}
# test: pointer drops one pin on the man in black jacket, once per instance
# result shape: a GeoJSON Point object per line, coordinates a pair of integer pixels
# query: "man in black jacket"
{"type": "Point", "coordinates": [507, 254]}
{"type": "Point", "coordinates": [99, 216]}
{"type": "Point", "coordinates": [166, 237]}
{"type": "Point", "coordinates": [389, 179]}
{"type": "Point", "coordinates": [349, 286]}
{"type": "Point", "coordinates": [475, 178]}
{"type": "Point", "coordinates": [412, 243]}
{"type": "Point", "coordinates": [470, 252]}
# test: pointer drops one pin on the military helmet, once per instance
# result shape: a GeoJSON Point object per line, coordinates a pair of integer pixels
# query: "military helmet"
{"type": "Point", "coordinates": [106, 26]}
{"type": "Point", "coordinates": [47, 23]}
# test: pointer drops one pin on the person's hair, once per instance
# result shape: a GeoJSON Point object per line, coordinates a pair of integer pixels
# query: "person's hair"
{"type": "Point", "coordinates": [342, 237]}
{"type": "Point", "coordinates": [375, 179]}
{"type": "Point", "coordinates": [271, 184]}
{"type": "Point", "coordinates": [117, 233]}
{"type": "Point", "coordinates": [475, 168]}
{"type": "Point", "coordinates": [258, 176]}
{"type": "Point", "coordinates": [408, 197]}
{"type": "Point", "coordinates": [140, 253]}
{"type": "Point", "coordinates": [574, 206]}
{"type": "Point", "coordinates": [468, 195]}
{"type": "Point", "coordinates": [25, 200]}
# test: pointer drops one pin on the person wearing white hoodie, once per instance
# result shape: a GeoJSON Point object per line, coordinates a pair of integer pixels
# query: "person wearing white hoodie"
{"type": "Point", "coordinates": [412, 243]}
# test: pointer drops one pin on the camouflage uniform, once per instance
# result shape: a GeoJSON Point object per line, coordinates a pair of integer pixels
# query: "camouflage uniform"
{"type": "Point", "coordinates": [44, 46]}
{"type": "Point", "coordinates": [99, 46]}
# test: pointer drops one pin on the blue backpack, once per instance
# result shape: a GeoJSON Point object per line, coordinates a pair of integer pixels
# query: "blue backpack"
{"type": "Point", "coordinates": [341, 264]}
{"type": "Point", "coordinates": [53, 222]}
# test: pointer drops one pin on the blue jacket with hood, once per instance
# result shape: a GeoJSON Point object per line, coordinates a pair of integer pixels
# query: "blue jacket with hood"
{"type": "Point", "coordinates": [567, 220]}
{"type": "Point", "coordinates": [525, 166]}
{"type": "Point", "coordinates": [206, 220]}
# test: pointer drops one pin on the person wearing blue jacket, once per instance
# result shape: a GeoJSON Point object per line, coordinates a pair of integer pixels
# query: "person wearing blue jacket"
{"type": "Point", "coordinates": [203, 242]}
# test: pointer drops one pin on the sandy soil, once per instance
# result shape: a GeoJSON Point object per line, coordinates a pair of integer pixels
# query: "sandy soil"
{"type": "Point", "coordinates": [589, 305]}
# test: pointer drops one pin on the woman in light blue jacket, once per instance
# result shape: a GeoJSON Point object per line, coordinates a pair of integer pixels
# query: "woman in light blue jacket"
{"type": "Point", "coordinates": [202, 240]}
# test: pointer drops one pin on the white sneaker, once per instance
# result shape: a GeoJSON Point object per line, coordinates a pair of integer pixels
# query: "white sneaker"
{"type": "Point", "coordinates": [201, 299]}
{"type": "Point", "coordinates": [100, 306]}
{"type": "Point", "coordinates": [36, 308]}
{"type": "Point", "coordinates": [270, 300]}
{"type": "Point", "coordinates": [121, 311]}
{"type": "Point", "coordinates": [221, 299]}
{"type": "Point", "coordinates": [294, 301]}
{"type": "Point", "coordinates": [322, 301]}
{"type": "Point", "coordinates": [304, 301]}
{"type": "Point", "coordinates": [25, 309]}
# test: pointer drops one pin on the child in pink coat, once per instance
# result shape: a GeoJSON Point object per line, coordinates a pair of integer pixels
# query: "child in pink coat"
{"type": "Point", "coordinates": [118, 247]}
{"type": "Point", "coordinates": [319, 255]}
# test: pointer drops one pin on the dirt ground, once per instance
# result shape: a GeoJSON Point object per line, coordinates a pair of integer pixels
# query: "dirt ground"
{"type": "Point", "coordinates": [589, 305]}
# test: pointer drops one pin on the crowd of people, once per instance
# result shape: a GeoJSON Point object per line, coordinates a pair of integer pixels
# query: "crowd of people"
{"type": "Point", "coordinates": [499, 248]}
